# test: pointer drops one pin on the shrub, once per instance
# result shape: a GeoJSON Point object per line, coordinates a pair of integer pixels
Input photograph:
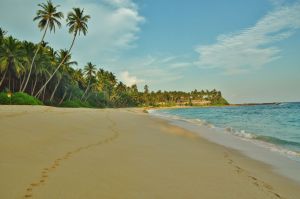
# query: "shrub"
{"type": "Point", "coordinates": [19, 98]}
{"type": "Point", "coordinates": [4, 99]}
{"type": "Point", "coordinates": [74, 104]}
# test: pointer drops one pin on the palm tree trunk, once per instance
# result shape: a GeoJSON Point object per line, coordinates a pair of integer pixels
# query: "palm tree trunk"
{"type": "Point", "coordinates": [3, 78]}
{"type": "Point", "coordinates": [62, 99]}
{"type": "Point", "coordinates": [54, 91]}
{"type": "Point", "coordinates": [85, 90]}
{"type": "Point", "coordinates": [39, 94]}
{"type": "Point", "coordinates": [9, 81]}
{"type": "Point", "coordinates": [44, 93]}
{"type": "Point", "coordinates": [31, 86]}
{"type": "Point", "coordinates": [70, 96]}
{"type": "Point", "coordinates": [87, 97]}
{"type": "Point", "coordinates": [13, 85]}
{"type": "Point", "coordinates": [22, 84]}
{"type": "Point", "coordinates": [58, 65]}
{"type": "Point", "coordinates": [34, 84]}
{"type": "Point", "coordinates": [35, 54]}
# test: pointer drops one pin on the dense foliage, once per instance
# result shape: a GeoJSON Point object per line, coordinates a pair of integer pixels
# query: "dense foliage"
{"type": "Point", "coordinates": [179, 98]}
{"type": "Point", "coordinates": [19, 98]}
{"type": "Point", "coordinates": [41, 72]}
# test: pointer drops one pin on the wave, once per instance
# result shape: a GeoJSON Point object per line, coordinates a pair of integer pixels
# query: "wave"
{"type": "Point", "coordinates": [264, 138]}
{"type": "Point", "coordinates": [272, 143]}
{"type": "Point", "coordinates": [278, 141]}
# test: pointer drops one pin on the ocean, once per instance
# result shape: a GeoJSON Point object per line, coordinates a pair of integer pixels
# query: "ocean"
{"type": "Point", "coordinates": [276, 127]}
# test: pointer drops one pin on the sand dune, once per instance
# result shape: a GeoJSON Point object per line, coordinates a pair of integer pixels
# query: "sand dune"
{"type": "Point", "coordinates": [121, 153]}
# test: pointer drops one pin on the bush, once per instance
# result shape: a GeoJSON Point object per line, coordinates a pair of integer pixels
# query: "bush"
{"type": "Point", "coordinates": [19, 98]}
{"type": "Point", "coordinates": [97, 100]}
{"type": "Point", "coordinates": [74, 104]}
{"type": "Point", "coordinates": [4, 99]}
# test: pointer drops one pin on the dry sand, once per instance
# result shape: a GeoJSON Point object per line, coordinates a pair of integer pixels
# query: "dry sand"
{"type": "Point", "coordinates": [60, 153]}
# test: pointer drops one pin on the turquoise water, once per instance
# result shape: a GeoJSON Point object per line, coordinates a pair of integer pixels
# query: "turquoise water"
{"type": "Point", "coordinates": [277, 126]}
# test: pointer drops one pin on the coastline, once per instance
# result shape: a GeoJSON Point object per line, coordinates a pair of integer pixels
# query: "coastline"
{"type": "Point", "coordinates": [122, 153]}
{"type": "Point", "coordinates": [208, 106]}
{"type": "Point", "coordinates": [282, 161]}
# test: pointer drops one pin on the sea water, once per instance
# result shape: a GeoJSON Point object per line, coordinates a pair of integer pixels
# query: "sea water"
{"type": "Point", "coordinates": [275, 127]}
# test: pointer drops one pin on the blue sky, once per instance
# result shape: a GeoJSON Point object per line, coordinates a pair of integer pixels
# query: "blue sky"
{"type": "Point", "coordinates": [247, 49]}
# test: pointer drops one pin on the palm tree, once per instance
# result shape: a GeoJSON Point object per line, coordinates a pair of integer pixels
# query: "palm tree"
{"type": "Point", "coordinates": [29, 49]}
{"type": "Point", "coordinates": [43, 65]}
{"type": "Point", "coordinates": [65, 69]}
{"type": "Point", "coordinates": [49, 17]}
{"type": "Point", "coordinates": [42, 68]}
{"type": "Point", "coordinates": [11, 58]}
{"type": "Point", "coordinates": [77, 75]}
{"type": "Point", "coordinates": [77, 23]}
{"type": "Point", "coordinates": [2, 34]}
{"type": "Point", "coordinates": [90, 71]}
{"type": "Point", "coordinates": [112, 80]}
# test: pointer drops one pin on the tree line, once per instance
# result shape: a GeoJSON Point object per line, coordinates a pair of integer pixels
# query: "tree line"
{"type": "Point", "coordinates": [49, 74]}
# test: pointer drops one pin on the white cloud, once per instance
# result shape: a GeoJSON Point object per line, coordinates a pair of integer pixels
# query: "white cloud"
{"type": "Point", "coordinates": [277, 2]}
{"type": "Point", "coordinates": [180, 65]}
{"type": "Point", "coordinates": [254, 47]}
{"type": "Point", "coordinates": [128, 79]}
{"type": "Point", "coordinates": [113, 27]}
{"type": "Point", "coordinates": [154, 70]}
{"type": "Point", "coordinates": [121, 3]}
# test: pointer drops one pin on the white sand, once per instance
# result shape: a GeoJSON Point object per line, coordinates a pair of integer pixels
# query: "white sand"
{"type": "Point", "coordinates": [121, 153]}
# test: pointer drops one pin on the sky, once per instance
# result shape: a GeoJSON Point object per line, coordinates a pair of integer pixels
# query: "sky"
{"type": "Point", "coordinates": [250, 49]}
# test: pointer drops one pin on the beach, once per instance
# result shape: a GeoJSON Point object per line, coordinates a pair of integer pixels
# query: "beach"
{"type": "Point", "coordinates": [49, 152]}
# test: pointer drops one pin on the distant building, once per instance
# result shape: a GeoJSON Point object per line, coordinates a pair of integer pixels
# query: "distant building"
{"type": "Point", "coordinates": [200, 102]}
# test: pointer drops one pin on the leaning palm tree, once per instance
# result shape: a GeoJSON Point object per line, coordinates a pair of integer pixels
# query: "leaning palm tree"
{"type": "Point", "coordinates": [49, 18]}
{"type": "Point", "coordinates": [77, 23]}
{"type": "Point", "coordinates": [90, 72]}
{"type": "Point", "coordinates": [65, 69]}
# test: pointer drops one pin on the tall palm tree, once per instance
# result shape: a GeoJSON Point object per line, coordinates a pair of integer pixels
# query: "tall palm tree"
{"type": "Point", "coordinates": [11, 58]}
{"type": "Point", "coordinates": [77, 23]}
{"type": "Point", "coordinates": [64, 70]}
{"type": "Point", "coordinates": [29, 49]}
{"type": "Point", "coordinates": [90, 72]}
{"type": "Point", "coordinates": [48, 17]}
{"type": "Point", "coordinates": [41, 71]}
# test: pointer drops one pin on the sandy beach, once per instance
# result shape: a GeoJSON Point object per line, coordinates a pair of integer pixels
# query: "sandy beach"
{"type": "Point", "coordinates": [62, 153]}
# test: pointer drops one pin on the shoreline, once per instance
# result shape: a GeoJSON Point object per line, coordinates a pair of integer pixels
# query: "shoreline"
{"type": "Point", "coordinates": [213, 106]}
{"type": "Point", "coordinates": [122, 153]}
{"type": "Point", "coordinates": [265, 152]}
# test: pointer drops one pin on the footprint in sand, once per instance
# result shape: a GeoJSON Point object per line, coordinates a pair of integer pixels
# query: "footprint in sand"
{"type": "Point", "coordinates": [46, 171]}
{"type": "Point", "coordinates": [255, 181]}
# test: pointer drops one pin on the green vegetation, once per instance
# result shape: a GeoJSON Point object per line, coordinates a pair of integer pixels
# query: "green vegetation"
{"type": "Point", "coordinates": [28, 69]}
{"type": "Point", "coordinates": [19, 98]}
{"type": "Point", "coordinates": [74, 104]}
{"type": "Point", "coordinates": [179, 98]}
